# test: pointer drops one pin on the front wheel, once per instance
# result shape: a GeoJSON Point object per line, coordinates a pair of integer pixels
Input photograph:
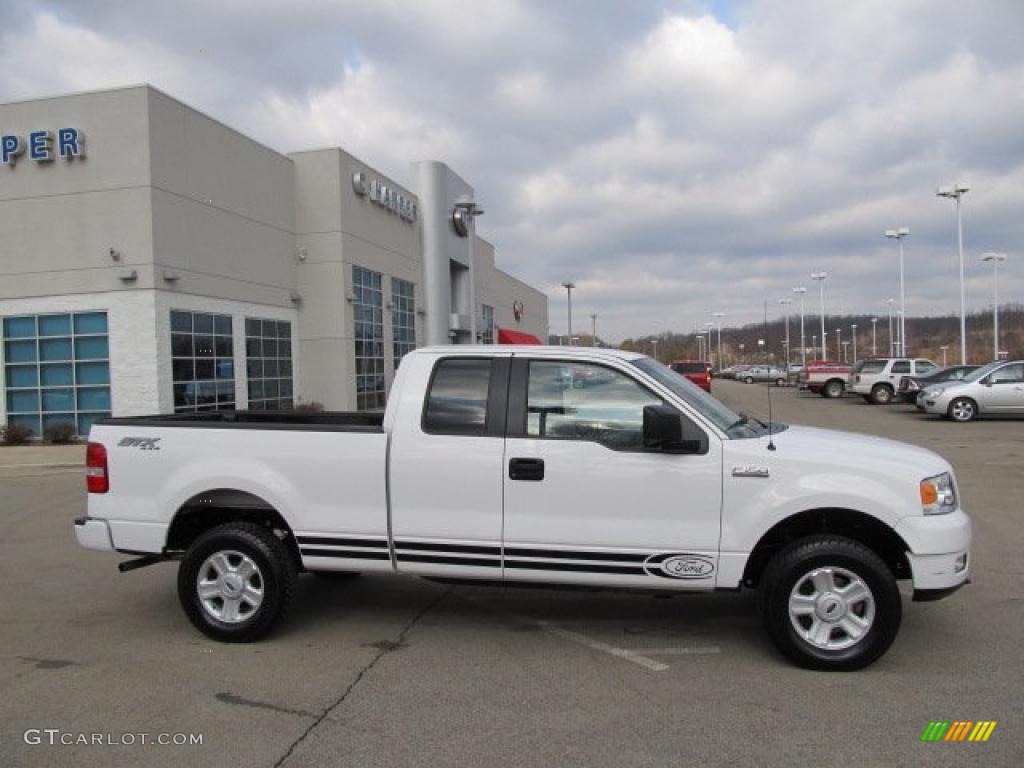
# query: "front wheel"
{"type": "Point", "coordinates": [749, 380]}
{"type": "Point", "coordinates": [830, 603]}
{"type": "Point", "coordinates": [236, 581]}
{"type": "Point", "coordinates": [833, 389]}
{"type": "Point", "coordinates": [963, 409]}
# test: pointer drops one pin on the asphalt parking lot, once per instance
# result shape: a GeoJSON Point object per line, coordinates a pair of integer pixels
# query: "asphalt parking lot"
{"type": "Point", "coordinates": [400, 672]}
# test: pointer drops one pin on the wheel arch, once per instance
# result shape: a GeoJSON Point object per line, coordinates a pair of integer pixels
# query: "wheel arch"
{"type": "Point", "coordinates": [861, 527]}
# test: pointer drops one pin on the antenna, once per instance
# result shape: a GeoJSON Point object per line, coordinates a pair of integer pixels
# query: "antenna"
{"type": "Point", "coordinates": [771, 444]}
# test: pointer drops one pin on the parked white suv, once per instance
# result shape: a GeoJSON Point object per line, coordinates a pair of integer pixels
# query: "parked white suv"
{"type": "Point", "coordinates": [876, 379]}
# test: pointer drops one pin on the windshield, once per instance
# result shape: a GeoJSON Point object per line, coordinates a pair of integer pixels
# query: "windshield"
{"type": "Point", "coordinates": [721, 415]}
{"type": "Point", "coordinates": [985, 370]}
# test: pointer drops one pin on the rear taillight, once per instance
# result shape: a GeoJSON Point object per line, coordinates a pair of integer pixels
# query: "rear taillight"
{"type": "Point", "coordinates": [96, 478]}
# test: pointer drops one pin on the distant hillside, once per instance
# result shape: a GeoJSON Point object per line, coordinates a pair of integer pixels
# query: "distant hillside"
{"type": "Point", "coordinates": [925, 337]}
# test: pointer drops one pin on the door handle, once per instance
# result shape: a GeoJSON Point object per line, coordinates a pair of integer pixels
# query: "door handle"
{"type": "Point", "coordinates": [526, 469]}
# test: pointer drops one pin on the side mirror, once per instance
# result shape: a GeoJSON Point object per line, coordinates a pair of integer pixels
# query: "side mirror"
{"type": "Point", "coordinates": [668, 431]}
{"type": "Point", "coordinates": [986, 382]}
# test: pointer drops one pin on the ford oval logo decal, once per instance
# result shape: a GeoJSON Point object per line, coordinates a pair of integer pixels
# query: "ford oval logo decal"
{"type": "Point", "coordinates": [680, 566]}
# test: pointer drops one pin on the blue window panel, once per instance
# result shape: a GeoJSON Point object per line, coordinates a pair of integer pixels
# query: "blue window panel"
{"type": "Point", "coordinates": [58, 399]}
{"type": "Point", "coordinates": [19, 401]}
{"type": "Point", "coordinates": [225, 369]}
{"type": "Point", "coordinates": [91, 348]}
{"type": "Point", "coordinates": [254, 368]}
{"type": "Point", "coordinates": [181, 322]}
{"type": "Point", "coordinates": [49, 419]}
{"type": "Point", "coordinates": [56, 375]}
{"type": "Point", "coordinates": [29, 420]}
{"type": "Point", "coordinates": [55, 349]}
{"type": "Point", "coordinates": [181, 345]}
{"type": "Point", "coordinates": [270, 388]}
{"type": "Point", "coordinates": [86, 420]}
{"type": "Point", "coordinates": [55, 325]}
{"type": "Point", "coordinates": [91, 322]}
{"type": "Point", "coordinates": [270, 369]}
{"type": "Point", "coordinates": [92, 373]}
{"type": "Point", "coordinates": [222, 346]}
{"type": "Point", "coordinates": [19, 327]}
{"type": "Point", "coordinates": [20, 351]}
{"type": "Point", "coordinates": [93, 398]}
{"type": "Point", "coordinates": [22, 376]}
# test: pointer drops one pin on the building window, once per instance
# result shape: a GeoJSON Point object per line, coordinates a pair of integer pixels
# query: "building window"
{"type": "Point", "coordinates": [487, 324]}
{"type": "Point", "coordinates": [202, 362]}
{"type": "Point", "coordinates": [368, 306]}
{"type": "Point", "coordinates": [403, 317]}
{"type": "Point", "coordinates": [268, 361]}
{"type": "Point", "coordinates": [57, 370]}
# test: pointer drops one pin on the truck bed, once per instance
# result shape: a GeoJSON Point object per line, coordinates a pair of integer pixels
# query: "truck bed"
{"type": "Point", "coordinates": [322, 421]}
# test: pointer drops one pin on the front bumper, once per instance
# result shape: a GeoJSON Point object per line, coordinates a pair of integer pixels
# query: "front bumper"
{"type": "Point", "coordinates": [93, 533]}
{"type": "Point", "coordinates": [939, 555]}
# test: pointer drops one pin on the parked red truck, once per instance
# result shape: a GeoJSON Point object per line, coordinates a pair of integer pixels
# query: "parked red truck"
{"type": "Point", "coordinates": [825, 377]}
{"type": "Point", "coordinates": [697, 371]}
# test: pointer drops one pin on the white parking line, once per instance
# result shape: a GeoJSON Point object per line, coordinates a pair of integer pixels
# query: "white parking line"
{"type": "Point", "coordinates": [700, 651]}
{"type": "Point", "coordinates": [597, 645]}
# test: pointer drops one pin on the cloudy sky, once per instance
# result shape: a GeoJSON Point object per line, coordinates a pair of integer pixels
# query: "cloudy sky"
{"type": "Point", "coordinates": [671, 158]}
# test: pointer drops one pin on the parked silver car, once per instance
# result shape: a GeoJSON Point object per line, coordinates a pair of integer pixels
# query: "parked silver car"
{"type": "Point", "coordinates": [992, 390]}
{"type": "Point", "coordinates": [763, 373]}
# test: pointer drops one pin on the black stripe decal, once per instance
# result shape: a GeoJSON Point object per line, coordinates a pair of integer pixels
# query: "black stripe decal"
{"type": "Point", "coordinates": [442, 560]}
{"type": "Point", "coordinates": [427, 546]}
{"type": "Point", "coordinates": [625, 570]}
{"type": "Point", "coordinates": [341, 542]}
{"type": "Point", "coordinates": [356, 554]}
{"type": "Point", "coordinates": [555, 554]}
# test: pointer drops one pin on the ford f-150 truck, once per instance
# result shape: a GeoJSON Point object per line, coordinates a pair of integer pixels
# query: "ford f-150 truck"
{"type": "Point", "coordinates": [490, 464]}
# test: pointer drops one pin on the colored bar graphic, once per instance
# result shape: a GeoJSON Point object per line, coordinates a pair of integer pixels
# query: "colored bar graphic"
{"type": "Point", "coordinates": [982, 730]}
{"type": "Point", "coordinates": [958, 730]}
{"type": "Point", "coordinates": [935, 730]}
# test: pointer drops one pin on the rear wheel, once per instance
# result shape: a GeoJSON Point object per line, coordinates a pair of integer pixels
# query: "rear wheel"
{"type": "Point", "coordinates": [963, 409]}
{"type": "Point", "coordinates": [833, 389]}
{"type": "Point", "coordinates": [748, 379]}
{"type": "Point", "coordinates": [829, 602]}
{"type": "Point", "coordinates": [881, 394]}
{"type": "Point", "coordinates": [236, 581]}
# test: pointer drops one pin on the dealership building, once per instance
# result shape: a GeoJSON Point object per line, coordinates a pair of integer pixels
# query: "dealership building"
{"type": "Point", "coordinates": [153, 260]}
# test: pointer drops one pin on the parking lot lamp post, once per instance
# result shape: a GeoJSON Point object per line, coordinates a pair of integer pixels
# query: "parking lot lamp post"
{"type": "Point", "coordinates": [814, 342]}
{"type": "Point", "coordinates": [785, 304]}
{"type": "Point", "coordinates": [846, 345]}
{"type": "Point", "coordinates": [801, 291]}
{"type": "Point", "coordinates": [568, 285]}
{"type": "Point", "coordinates": [944, 347]}
{"type": "Point", "coordinates": [956, 192]}
{"type": "Point", "coordinates": [853, 334]}
{"type": "Point", "coordinates": [898, 235]}
{"type": "Point", "coordinates": [995, 258]}
{"type": "Point", "coordinates": [839, 342]}
{"type": "Point", "coordinates": [593, 329]}
{"type": "Point", "coordinates": [892, 346]}
{"type": "Point", "coordinates": [874, 337]}
{"type": "Point", "coordinates": [824, 345]}
{"type": "Point", "coordinates": [718, 316]}
{"type": "Point", "coordinates": [654, 344]}
{"type": "Point", "coordinates": [820, 277]}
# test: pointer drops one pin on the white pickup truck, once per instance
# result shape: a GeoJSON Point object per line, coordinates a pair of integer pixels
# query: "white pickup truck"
{"type": "Point", "coordinates": [546, 465]}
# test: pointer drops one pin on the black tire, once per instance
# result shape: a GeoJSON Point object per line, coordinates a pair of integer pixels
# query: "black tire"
{"type": "Point", "coordinates": [963, 409]}
{"type": "Point", "coordinates": [276, 576]}
{"type": "Point", "coordinates": [833, 389]}
{"type": "Point", "coordinates": [881, 394]}
{"type": "Point", "coordinates": [337, 575]}
{"type": "Point", "coordinates": [748, 380]}
{"type": "Point", "coordinates": [793, 565]}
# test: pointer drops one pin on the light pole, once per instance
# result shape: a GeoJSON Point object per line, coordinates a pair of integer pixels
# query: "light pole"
{"type": "Point", "coordinates": [839, 341]}
{"type": "Point", "coordinates": [593, 329]}
{"type": "Point", "coordinates": [898, 235]}
{"type": "Point", "coordinates": [944, 347]}
{"type": "Point", "coordinates": [700, 346]}
{"type": "Point", "coordinates": [824, 345]}
{"type": "Point", "coordinates": [801, 291]}
{"type": "Point", "coordinates": [708, 326]}
{"type": "Point", "coordinates": [814, 341]}
{"type": "Point", "coordinates": [654, 343]}
{"type": "Point", "coordinates": [874, 337]}
{"type": "Point", "coordinates": [820, 277]}
{"type": "Point", "coordinates": [568, 289]}
{"type": "Point", "coordinates": [892, 346]}
{"type": "Point", "coordinates": [853, 334]}
{"type": "Point", "coordinates": [995, 258]}
{"type": "Point", "coordinates": [718, 316]}
{"type": "Point", "coordinates": [956, 192]}
{"type": "Point", "coordinates": [845, 345]}
{"type": "Point", "coordinates": [785, 305]}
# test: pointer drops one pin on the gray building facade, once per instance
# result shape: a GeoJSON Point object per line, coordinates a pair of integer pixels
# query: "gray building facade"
{"type": "Point", "coordinates": [153, 259]}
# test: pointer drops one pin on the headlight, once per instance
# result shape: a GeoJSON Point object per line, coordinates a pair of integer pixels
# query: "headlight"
{"type": "Point", "coordinates": [937, 494]}
{"type": "Point", "coordinates": [934, 391]}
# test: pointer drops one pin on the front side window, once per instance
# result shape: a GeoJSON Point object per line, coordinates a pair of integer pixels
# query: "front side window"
{"type": "Point", "coordinates": [57, 370]}
{"type": "Point", "coordinates": [403, 318]}
{"type": "Point", "coordinates": [457, 400]}
{"type": "Point", "coordinates": [268, 362]}
{"type": "Point", "coordinates": [581, 401]}
{"type": "Point", "coordinates": [202, 362]}
{"type": "Point", "coordinates": [368, 307]}
{"type": "Point", "coordinates": [1009, 374]}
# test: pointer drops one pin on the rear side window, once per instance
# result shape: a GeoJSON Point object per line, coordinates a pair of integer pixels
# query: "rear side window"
{"type": "Point", "coordinates": [901, 366]}
{"type": "Point", "coordinates": [457, 400]}
{"type": "Point", "coordinates": [870, 366]}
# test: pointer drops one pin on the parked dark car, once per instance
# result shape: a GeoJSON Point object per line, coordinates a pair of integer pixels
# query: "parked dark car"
{"type": "Point", "coordinates": [909, 386]}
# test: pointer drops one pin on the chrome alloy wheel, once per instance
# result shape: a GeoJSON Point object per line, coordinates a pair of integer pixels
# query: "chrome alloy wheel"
{"type": "Point", "coordinates": [962, 410]}
{"type": "Point", "coordinates": [230, 586]}
{"type": "Point", "coordinates": [831, 608]}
